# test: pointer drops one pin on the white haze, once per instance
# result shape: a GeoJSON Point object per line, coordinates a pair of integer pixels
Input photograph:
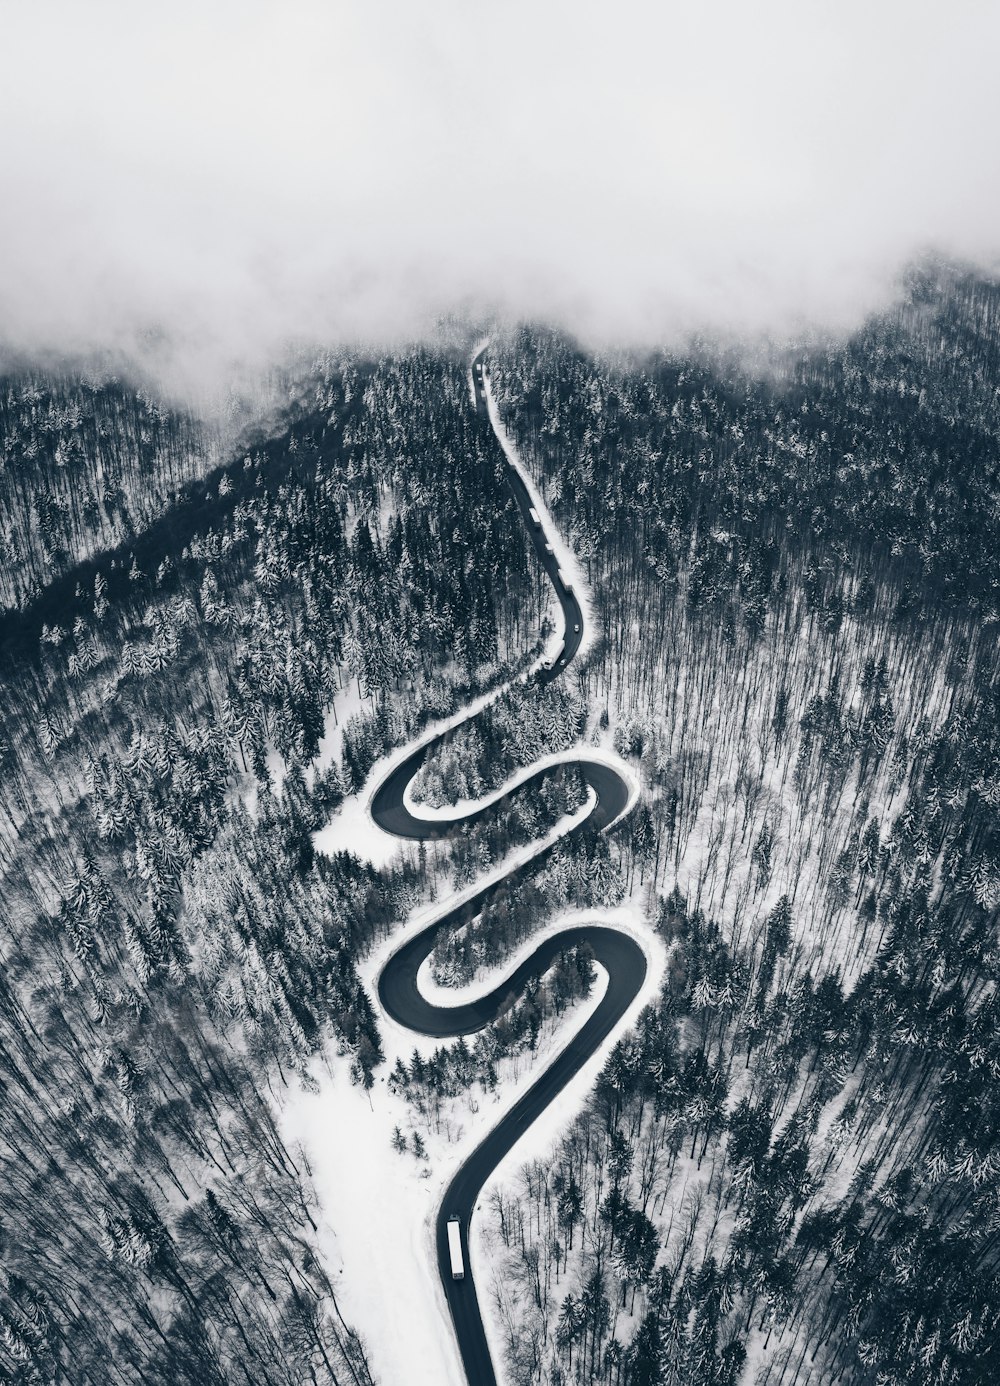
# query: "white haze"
{"type": "Point", "coordinates": [230, 176]}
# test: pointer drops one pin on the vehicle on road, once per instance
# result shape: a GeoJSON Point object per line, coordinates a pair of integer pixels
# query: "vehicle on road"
{"type": "Point", "coordinates": [455, 1247]}
{"type": "Point", "coordinates": [534, 515]}
{"type": "Point", "coordinates": [565, 581]}
{"type": "Point", "coordinates": [576, 630]}
{"type": "Point", "coordinates": [548, 548]}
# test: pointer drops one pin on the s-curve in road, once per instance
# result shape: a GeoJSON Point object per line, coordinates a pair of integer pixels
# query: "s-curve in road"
{"type": "Point", "coordinates": [398, 992]}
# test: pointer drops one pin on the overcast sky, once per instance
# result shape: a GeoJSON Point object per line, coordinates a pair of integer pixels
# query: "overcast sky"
{"type": "Point", "coordinates": [236, 174]}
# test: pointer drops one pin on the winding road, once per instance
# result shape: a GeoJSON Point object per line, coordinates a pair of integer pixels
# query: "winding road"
{"type": "Point", "coordinates": [617, 952]}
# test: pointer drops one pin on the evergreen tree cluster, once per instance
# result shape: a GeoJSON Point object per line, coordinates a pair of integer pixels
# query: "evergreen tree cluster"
{"type": "Point", "coordinates": [771, 1168]}
{"type": "Point", "coordinates": [527, 722]}
{"type": "Point", "coordinates": [86, 462]}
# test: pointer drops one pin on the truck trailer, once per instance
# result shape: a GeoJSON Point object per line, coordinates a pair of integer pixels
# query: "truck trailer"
{"type": "Point", "coordinates": [455, 1247]}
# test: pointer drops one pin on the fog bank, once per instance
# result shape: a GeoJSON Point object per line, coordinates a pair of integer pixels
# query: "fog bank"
{"type": "Point", "coordinates": [229, 176]}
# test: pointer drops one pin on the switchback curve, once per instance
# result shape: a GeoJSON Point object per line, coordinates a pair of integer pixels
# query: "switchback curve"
{"type": "Point", "coordinates": [398, 991]}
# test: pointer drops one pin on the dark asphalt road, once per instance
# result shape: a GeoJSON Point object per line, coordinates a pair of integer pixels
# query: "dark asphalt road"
{"type": "Point", "coordinates": [397, 986]}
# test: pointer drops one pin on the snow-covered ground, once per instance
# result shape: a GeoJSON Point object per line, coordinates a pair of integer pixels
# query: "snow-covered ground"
{"type": "Point", "coordinates": [377, 1211]}
{"type": "Point", "coordinates": [347, 703]}
{"type": "Point", "coordinates": [276, 769]}
{"type": "Point", "coordinates": [352, 829]}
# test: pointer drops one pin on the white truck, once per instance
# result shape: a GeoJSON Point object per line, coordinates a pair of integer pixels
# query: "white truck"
{"type": "Point", "coordinates": [534, 515]}
{"type": "Point", "coordinates": [567, 585]}
{"type": "Point", "coordinates": [455, 1247]}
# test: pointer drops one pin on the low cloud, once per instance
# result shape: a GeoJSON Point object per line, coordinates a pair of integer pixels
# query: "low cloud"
{"type": "Point", "coordinates": [230, 176]}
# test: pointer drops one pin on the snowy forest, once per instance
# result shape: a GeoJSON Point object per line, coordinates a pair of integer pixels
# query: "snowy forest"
{"type": "Point", "coordinates": [789, 1170]}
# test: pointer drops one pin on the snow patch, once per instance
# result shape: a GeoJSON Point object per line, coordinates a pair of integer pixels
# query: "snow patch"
{"type": "Point", "coordinates": [276, 769]}
{"type": "Point", "coordinates": [352, 829]}
{"type": "Point", "coordinates": [247, 793]}
{"type": "Point", "coordinates": [348, 702]}
{"type": "Point", "coordinates": [377, 1219]}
